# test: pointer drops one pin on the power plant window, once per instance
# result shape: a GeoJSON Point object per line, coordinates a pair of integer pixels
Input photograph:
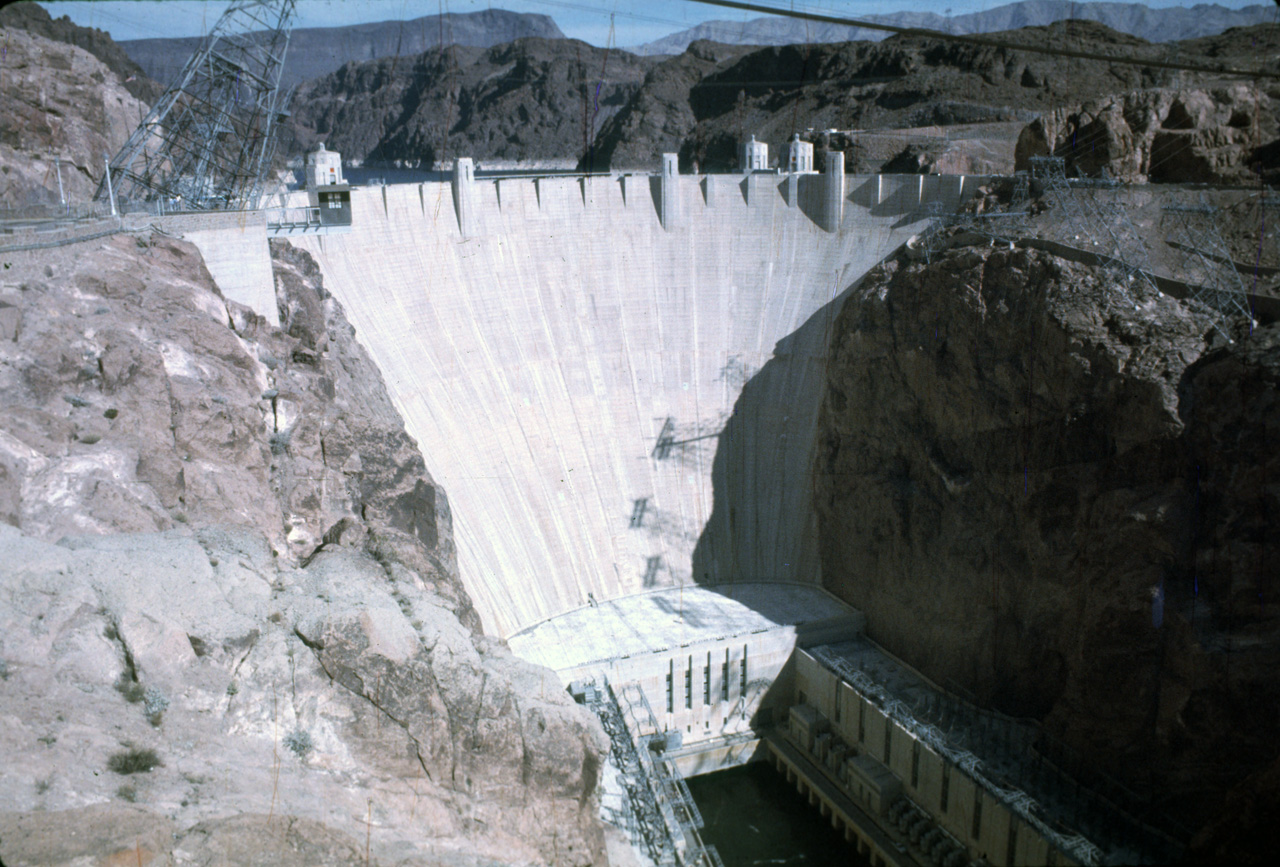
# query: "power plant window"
{"type": "Point", "coordinates": [706, 681]}
{"type": "Point", "coordinates": [743, 692]}
{"type": "Point", "coordinates": [862, 721]}
{"type": "Point", "coordinates": [977, 813]}
{"type": "Point", "coordinates": [915, 765]}
{"type": "Point", "coordinates": [946, 787]}
{"type": "Point", "coordinates": [688, 686]}
{"type": "Point", "coordinates": [724, 680]}
{"type": "Point", "coordinates": [1012, 849]}
{"type": "Point", "coordinates": [671, 699]}
{"type": "Point", "coordinates": [888, 740]}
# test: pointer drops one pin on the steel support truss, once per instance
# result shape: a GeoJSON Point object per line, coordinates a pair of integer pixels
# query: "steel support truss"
{"type": "Point", "coordinates": [208, 142]}
{"type": "Point", "coordinates": [1099, 222]}
{"type": "Point", "coordinates": [1205, 261]}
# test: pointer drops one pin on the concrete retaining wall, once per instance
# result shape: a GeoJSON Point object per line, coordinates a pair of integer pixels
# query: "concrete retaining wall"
{"type": "Point", "coordinates": [234, 247]}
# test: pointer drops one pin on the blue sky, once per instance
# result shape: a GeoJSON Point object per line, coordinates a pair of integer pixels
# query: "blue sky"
{"type": "Point", "coordinates": [632, 21]}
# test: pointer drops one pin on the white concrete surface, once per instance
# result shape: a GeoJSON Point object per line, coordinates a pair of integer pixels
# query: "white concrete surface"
{"type": "Point", "coordinates": [671, 618]}
{"type": "Point", "coordinates": [611, 405]}
{"type": "Point", "coordinates": [708, 660]}
{"type": "Point", "coordinates": [235, 251]}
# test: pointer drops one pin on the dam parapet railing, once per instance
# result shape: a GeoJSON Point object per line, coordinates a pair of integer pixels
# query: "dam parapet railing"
{"type": "Point", "coordinates": [674, 199]}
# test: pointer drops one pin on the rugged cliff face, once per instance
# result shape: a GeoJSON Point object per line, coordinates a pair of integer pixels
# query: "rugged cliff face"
{"type": "Point", "coordinates": [30, 16]}
{"type": "Point", "coordinates": [1050, 499]}
{"type": "Point", "coordinates": [552, 99]}
{"type": "Point", "coordinates": [528, 100]}
{"type": "Point", "coordinates": [317, 51]}
{"type": "Point", "coordinates": [222, 547]}
{"type": "Point", "coordinates": [57, 99]}
{"type": "Point", "coordinates": [1206, 136]}
{"type": "Point", "coordinates": [231, 626]}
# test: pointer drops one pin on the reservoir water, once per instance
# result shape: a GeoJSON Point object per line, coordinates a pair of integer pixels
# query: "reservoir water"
{"type": "Point", "coordinates": [754, 818]}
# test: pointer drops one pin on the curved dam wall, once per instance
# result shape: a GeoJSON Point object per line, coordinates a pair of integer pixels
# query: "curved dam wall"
{"type": "Point", "coordinates": [617, 387]}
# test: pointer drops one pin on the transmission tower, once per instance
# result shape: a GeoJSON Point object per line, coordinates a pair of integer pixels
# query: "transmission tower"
{"type": "Point", "coordinates": [209, 140]}
{"type": "Point", "coordinates": [1100, 223]}
{"type": "Point", "coordinates": [1205, 261]}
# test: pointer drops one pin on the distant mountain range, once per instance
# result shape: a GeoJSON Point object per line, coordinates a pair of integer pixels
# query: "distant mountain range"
{"type": "Point", "coordinates": [1153, 25]}
{"type": "Point", "coordinates": [317, 51]}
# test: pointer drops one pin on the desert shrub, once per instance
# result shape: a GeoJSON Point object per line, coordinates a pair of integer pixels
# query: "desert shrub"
{"type": "Point", "coordinates": [299, 741]}
{"type": "Point", "coordinates": [155, 703]}
{"type": "Point", "coordinates": [132, 691]}
{"type": "Point", "coordinates": [133, 761]}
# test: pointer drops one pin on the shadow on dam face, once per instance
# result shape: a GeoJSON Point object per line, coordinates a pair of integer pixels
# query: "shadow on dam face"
{"type": "Point", "coordinates": [762, 525]}
{"type": "Point", "coordinates": [613, 406]}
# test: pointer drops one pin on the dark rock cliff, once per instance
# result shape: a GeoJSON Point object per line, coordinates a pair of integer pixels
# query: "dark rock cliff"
{"type": "Point", "coordinates": [317, 51]}
{"type": "Point", "coordinates": [532, 99]}
{"type": "Point", "coordinates": [1047, 498]}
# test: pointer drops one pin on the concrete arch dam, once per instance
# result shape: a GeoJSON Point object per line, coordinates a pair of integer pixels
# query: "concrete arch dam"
{"type": "Point", "coordinates": [616, 379]}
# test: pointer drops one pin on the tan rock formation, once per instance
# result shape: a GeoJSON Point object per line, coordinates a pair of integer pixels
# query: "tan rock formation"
{"type": "Point", "coordinates": [1208, 135]}
{"type": "Point", "coordinates": [251, 550]}
{"type": "Point", "coordinates": [57, 100]}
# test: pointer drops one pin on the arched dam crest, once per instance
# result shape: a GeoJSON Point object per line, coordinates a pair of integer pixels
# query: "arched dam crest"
{"type": "Point", "coordinates": [601, 394]}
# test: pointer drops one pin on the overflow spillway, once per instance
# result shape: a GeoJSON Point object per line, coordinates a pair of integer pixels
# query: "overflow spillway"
{"type": "Point", "coordinates": [615, 404]}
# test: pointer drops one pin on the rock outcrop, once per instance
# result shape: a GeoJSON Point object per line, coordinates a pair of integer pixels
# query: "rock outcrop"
{"type": "Point", "coordinates": [32, 17]}
{"type": "Point", "coordinates": [220, 546]}
{"type": "Point", "coordinates": [231, 626]}
{"type": "Point", "coordinates": [317, 51]}
{"type": "Point", "coordinates": [533, 100]}
{"type": "Point", "coordinates": [57, 100]}
{"type": "Point", "coordinates": [1054, 501]}
{"type": "Point", "coordinates": [539, 99]}
{"type": "Point", "coordinates": [1203, 136]}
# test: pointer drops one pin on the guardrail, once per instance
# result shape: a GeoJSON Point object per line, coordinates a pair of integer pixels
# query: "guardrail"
{"type": "Point", "coordinates": [293, 220]}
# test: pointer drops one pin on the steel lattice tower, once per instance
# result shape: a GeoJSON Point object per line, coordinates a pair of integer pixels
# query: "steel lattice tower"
{"type": "Point", "coordinates": [209, 140]}
{"type": "Point", "coordinates": [1101, 224]}
{"type": "Point", "coordinates": [1192, 231]}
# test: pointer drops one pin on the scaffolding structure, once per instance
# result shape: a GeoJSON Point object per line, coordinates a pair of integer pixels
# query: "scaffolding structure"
{"type": "Point", "coordinates": [1205, 261]}
{"type": "Point", "coordinates": [208, 142]}
{"type": "Point", "coordinates": [1004, 226]}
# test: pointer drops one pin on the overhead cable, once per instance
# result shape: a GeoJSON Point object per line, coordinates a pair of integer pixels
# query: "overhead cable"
{"type": "Point", "coordinates": [987, 40]}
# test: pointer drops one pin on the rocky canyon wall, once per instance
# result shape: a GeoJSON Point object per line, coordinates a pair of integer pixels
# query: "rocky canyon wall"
{"type": "Point", "coordinates": [230, 619]}
{"type": "Point", "coordinates": [1053, 499]}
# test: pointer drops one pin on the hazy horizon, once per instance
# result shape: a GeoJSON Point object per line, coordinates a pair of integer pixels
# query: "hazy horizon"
{"type": "Point", "coordinates": [621, 23]}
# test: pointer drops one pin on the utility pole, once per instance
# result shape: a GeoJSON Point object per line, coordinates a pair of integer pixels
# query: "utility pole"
{"type": "Point", "coordinates": [111, 197]}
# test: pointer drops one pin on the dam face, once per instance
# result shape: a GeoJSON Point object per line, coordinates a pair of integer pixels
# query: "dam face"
{"type": "Point", "coordinates": [615, 379]}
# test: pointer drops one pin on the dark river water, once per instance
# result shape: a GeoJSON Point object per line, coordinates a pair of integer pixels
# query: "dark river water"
{"type": "Point", "coordinates": [754, 818]}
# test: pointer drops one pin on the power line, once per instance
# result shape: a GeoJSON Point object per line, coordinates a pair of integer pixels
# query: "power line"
{"type": "Point", "coordinates": [986, 40]}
